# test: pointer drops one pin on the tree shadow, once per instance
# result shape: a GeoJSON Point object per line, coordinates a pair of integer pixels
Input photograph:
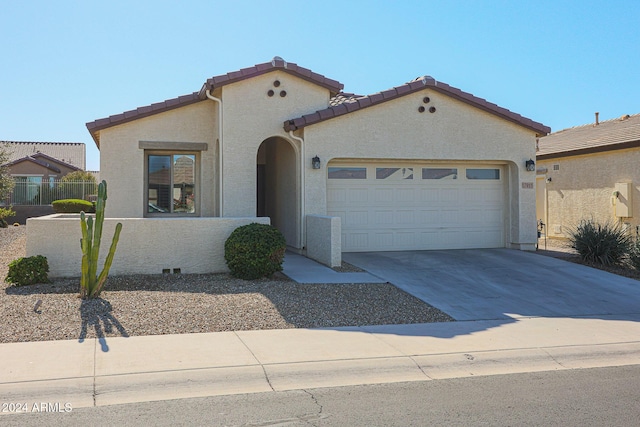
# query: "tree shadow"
{"type": "Point", "coordinates": [96, 313]}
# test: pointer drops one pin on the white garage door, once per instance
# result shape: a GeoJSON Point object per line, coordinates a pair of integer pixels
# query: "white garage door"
{"type": "Point", "coordinates": [391, 207]}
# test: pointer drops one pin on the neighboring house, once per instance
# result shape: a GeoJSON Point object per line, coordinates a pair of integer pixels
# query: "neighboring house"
{"type": "Point", "coordinates": [589, 172]}
{"type": "Point", "coordinates": [36, 165]}
{"type": "Point", "coordinates": [38, 162]}
{"type": "Point", "coordinates": [420, 166]}
{"type": "Point", "coordinates": [69, 153]}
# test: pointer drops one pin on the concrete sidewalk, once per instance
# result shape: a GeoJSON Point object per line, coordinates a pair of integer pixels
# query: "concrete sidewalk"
{"type": "Point", "coordinates": [122, 370]}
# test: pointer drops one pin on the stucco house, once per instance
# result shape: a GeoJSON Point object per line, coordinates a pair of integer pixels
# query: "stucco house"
{"type": "Point", "coordinates": [422, 165]}
{"type": "Point", "coordinates": [35, 165]}
{"type": "Point", "coordinates": [41, 161]}
{"type": "Point", "coordinates": [589, 172]}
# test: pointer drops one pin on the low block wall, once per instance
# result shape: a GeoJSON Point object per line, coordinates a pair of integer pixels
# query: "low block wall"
{"type": "Point", "coordinates": [146, 245]}
{"type": "Point", "coordinates": [324, 239]}
{"type": "Point", "coordinates": [24, 212]}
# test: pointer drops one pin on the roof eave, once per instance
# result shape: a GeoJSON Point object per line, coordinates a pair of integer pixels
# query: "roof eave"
{"type": "Point", "coordinates": [590, 150]}
{"type": "Point", "coordinates": [128, 116]}
{"type": "Point", "coordinates": [412, 87]}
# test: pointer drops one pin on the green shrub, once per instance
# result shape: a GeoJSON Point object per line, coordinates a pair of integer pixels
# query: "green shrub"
{"type": "Point", "coordinates": [72, 206]}
{"type": "Point", "coordinates": [5, 213]}
{"type": "Point", "coordinates": [634, 255]}
{"type": "Point", "coordinates": [254, 250]}
{"type": "Point", "coordinates": [606, 244]}
{"type": "Point", "coordinates": [28, 271]}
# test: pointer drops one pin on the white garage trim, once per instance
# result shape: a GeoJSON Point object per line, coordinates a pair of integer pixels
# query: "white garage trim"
{"type": "Point", "coordinates": [392, 205]}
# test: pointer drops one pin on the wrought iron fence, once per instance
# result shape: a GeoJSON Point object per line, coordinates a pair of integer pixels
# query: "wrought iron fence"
{"type": "Point", "coordinates": [33, 191]}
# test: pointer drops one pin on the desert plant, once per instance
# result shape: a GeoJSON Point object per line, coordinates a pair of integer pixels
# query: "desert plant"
{"type": "Point", "coordinates": [634, 255]}
{"type": "Point", "coordinates": [90, 284]}
{"type": "Point", "coordinates": [606, 244]}
{"type": "Point", "coordinates": [6, 180]}
{"type": "Point", "coordinates": [72, 206]}
{"type": "Point", "coordinates": [5, 213]}
{"type": "Point", "coordinates": [28, 271]}
{"type": "Point", "coordinates": [254, 250]}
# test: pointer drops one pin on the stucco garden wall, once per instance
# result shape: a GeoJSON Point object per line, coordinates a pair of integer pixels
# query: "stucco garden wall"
{"type": "Point", "coordinates": [456, 132]}
{"type": "Point", "coordinates": [583, 186]}
{"type": "Point", "coordinates": [122, 161]}
{"type": "Point", "coordinates": [146, 245]}
{"type": "Point", "coordinates": [324, 239]}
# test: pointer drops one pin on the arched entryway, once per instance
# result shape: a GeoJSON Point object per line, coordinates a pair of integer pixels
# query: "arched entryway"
{"type": "Point", "coordinates": [278, 189]}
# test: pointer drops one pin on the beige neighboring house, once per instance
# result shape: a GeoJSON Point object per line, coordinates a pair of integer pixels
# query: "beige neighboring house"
{"type": "Point", "coordinates": [590, 172]}
{"type": "Point", "coordinates": [34, 167]}
{"type": "Point", "coordinates": [44, 160]}
{"type": "Point", "coordinates": [420, 166]}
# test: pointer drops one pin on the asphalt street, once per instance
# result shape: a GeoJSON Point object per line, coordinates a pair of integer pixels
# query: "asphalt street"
{"type": "Point", "coordinates": [583, 397]}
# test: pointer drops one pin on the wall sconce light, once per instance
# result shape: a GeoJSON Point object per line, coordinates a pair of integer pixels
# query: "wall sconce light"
{"type": "Point", "coordinates": [315, 162]}
{"type": "Point", "coordinates": [530, 165]}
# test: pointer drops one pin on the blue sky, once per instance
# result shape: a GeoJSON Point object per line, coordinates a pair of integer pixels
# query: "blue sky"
{"type": "Point", "coordinates": [65, 63]}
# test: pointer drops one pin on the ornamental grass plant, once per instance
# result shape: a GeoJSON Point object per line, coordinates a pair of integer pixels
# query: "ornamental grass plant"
{"type": "Point", "coordinates": [606, 243]}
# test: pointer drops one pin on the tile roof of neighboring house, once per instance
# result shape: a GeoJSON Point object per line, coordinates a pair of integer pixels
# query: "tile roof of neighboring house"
{"type": "Point", "coordinates": [71, 153]}
{"type": "Point", "coordinates": [353, 104]}
{"type": "Point", "coordinates": [36, 161]}
{"type": "Point", "coordinates": [45, 161]}
{"type": "Point", "coordinates": [622, 132]}
{"type": "Point", "coordinates": [342, 97]}
{"type": "Point", "coordinates": [214, 82]}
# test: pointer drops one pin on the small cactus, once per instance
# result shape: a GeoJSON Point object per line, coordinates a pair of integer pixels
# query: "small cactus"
{"type": "Point", "coordinates": [90, 284]}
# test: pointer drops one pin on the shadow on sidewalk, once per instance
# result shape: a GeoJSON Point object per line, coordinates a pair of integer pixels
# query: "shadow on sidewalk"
{"type": "Point", "coordinates": [97, 313]}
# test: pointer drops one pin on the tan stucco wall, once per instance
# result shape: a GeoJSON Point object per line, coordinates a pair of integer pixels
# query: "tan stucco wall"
{"type": "Point", "coordinates": [250, 116]}
{"type": "Point", "coordinates": [146, 245]}
{"type": "Point", "coordinates": [324, 240]}
{"type": "Point", "coordinates": [456, 131]}
{"type": "Point", "coordinates": [582, 188]}
{"type": "Point", "coordinates": [122, 161]}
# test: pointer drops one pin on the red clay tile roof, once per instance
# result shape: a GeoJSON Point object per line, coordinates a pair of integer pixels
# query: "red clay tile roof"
{"type": "Point", "coordinates": [139, 113]}
{"type": "Point", "coordinates": [353, 104]}
{"type": "Point", "coordinates": [276, 63]}
{"type": "Point", "coordinates": [214, 82]}
{"type": "Point", "coordinates": [623, 132]}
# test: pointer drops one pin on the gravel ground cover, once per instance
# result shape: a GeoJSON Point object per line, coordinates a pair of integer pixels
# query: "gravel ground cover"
{"type": "Point", "coordinates": [177, 304]}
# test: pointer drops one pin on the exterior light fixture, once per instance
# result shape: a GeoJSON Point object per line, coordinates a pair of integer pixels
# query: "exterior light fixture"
{"type": "Point", "coordinates": [530, 165]}
{"type": "Point", "coordinates": [315, 162]}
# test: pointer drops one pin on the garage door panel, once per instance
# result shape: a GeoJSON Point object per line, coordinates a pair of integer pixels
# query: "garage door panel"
{"type": "Point", "coordinates": [389, 211]}
{"type": "Point", "coordinates": [450, 195]}
{"type": "Point", "coordinates": [405, 195]}
{"type": "Point", "coordinates": [358, 195]}
{"type": "Point", "coordinates": [429, 195]}
{"type": "Point", "coordinates": [384, 218]}
{"type": "Point", "coordinates": [337, 195]}
{"type": "Point", "coordinates": [357, 219]}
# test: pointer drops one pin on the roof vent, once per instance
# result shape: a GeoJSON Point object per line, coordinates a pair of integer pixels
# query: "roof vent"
{"type": "Point", "coordinates": [597, 121]}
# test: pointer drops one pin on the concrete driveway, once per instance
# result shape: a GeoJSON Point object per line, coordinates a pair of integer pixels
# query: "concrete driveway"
{"type": "Point", "coordinates": [484, 284]}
